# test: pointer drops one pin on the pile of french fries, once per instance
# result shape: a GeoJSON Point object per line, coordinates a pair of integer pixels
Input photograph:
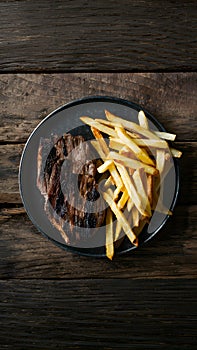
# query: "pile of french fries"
{"type": "Point", "coordinates": [137, 160]}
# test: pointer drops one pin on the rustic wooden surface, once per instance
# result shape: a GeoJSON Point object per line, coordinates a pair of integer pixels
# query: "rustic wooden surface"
{"type": "Point", "coordinates": [50, 298]}
{"type": "Point", "coordinates": [78, 35]}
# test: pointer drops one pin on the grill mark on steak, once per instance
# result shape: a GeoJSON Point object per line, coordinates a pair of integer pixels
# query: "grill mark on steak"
{"type": "Point", "coordinates": [60, 193]}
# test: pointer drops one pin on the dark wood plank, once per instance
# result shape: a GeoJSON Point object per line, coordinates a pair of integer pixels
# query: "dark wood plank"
{"type": "Point", "coordinates": [83, 35]}
{"type": "Point", "coordinates": [98, 314]}
{"type": "Point", "coordinates": [27, 98]}
{"type": "Point", "coordinates": [24, 253]}
{"type": "Point", "coordinates": [10, 158]}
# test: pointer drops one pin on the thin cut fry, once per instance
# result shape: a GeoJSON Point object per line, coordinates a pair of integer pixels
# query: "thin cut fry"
{"type": "Point", "coordinates": [121, 218]}
{"type": "Point", "coordinates": [131, 126]}
{"type": "Point", "coordinates": [160, 160]}
{"type": "Point", "coordinates": [91, 122]}
{"type": "Point", "coordinates": [105, 166]}
{"type": "Point", "coordinates": [109, 235]}
{"type": "Point", "coordinates": [124, 198]}
{"type": "Point", "coordinates": [133, 194]}
{"type": "Point", "coordinates": [117, 191]}
{"type": "Point", "coordinates": [132, 163]}
{"type": "Point", "coordinates": [116, 143]}
{"type": "Point", "coordinates": [114, 174]}
{"type": "Point", "coordinates": [116, 177]}
{"type": "Point", "coordinates": [118, 230]}
{"type": "Point", "coordinates": [134, 148]}
{"type": "Point", "coordinates": [165, 135]}
{"type": "Point", "coordinates": [135, 217]}
{"type": "Point", "coordinates": [150, 189]}
{"type": "Point", "coordinates": [129, 204]}
{"type": "Point", "coordinates": [113, 125]}
{"type": "Point", "coordinates": [175, 153]}
{"type": "Point", "coordinates": [98, 136]}
{"type": "Point", "coordinates": [143, 196]}
{"type": "Point", "coordinates": [109, 182]}
{"type": "Point", "coordinates": [143, 121]}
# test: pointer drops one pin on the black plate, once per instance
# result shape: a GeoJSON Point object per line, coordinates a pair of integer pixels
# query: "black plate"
{"type": "Point", "coordinates": [67, 119]}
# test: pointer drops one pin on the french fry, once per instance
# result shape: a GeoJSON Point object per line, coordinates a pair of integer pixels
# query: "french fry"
{"type": "Point", "coordinates": [165, 135]}
{"type": "Point", "coordinates": [117, 191]}
{"type": "Point", "coordinates": [98, 136]}
{"type": "Point", "coordinates": [143, 196]}
{"type": "Point", "coordinates": [118, 230]}
{"type": "Point", "coordinates": [150, 189]}
{"type": "Point", "coordinates": [114, 174]}
{"type": "Point", "coordinates": [133, 127]}
{"type": "Point", "coordinates": [124, 198]}
{"type": "Point", "coordinates": [132, 163]}
{"type": "Point", "coordinates": [116, 143]}
{"type": "Point", "coordinates": [135, 217]}
{"type": "Point", "coordinates": [175, 153]}
{"type": "Point", "coordinates": [143, 121]}
{"type": "Point", "coordinates": [129, 204]}
{"type": "Point", "coordinates": [109, 235]}
{"type": "Point", "coordinates": [105, 166]}
{"type": "Point", "coordinates": [105, 129]}
{"type": "Point", "coordinates": [98, 148]}
{"type": "Point", "coordinates": [133, 194]}
{"type": "Point", "coordinates": [142, 155]}
{"type": "Point", "coordinates": [120, 217]}
{"type": "Point", "coordinates": [116, 177]}
{"type": "Point", "coordinates": [109, 182]}
{"type": "Point", "coordinates": [160, 160]}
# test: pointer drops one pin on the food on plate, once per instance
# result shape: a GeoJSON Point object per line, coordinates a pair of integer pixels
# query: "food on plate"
{"type": "Point", "coordinates": [62, 205]}
{"type": "Point", "coordinates": [135, 158]}
{"type": "Point", "coordinates": [131, 162]}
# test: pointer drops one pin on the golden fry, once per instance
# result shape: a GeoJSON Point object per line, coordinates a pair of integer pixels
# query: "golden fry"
{"type": "Point", "coordinates": [175, 153]}
{"type": "Point", "coordinates": [140, 154]}
{"type": "Point", "coordinates": [105, 166]}
{"type": "Point", "coordinates": [142, 194]}
{"type": "Point", "coordinates": [133, 193]}
{"type": "Point", "coordinates": [109, 235]}
{"type": "Point", "coordinates": [129, 204]}
{"type": "Point", "coordinates": [132, 163]}
{"type": "Point", "coordinates": [135, 217]}
{"type": "Point", "coordinates": [124, 198]}
{"type": "Point", "coordinates": [105, 129]}
{"type": "Point", "coordinates": [121, 218]}
{"type": "Point", "coordinates": [118, 230]}
{"type": "Point", "coordinates": [160, 160]}
{"type": "Point", "coordinates": [143, 121]}
{"type": "Point", "coordinates": [98, 136]}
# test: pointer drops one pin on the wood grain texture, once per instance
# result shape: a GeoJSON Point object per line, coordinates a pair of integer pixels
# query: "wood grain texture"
{"type": "Point", "coordinates": [98, 314]}
{"type": "Point", "coordinates": [25, 253]}
{"type": "Point", "coordinates": [84, 35]}
{"type": "Point", "coordinates": [9, 167]}
{"type": "Point", "coordinates": [25, 99]}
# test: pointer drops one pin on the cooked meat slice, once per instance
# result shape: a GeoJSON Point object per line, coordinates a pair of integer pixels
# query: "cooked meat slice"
{"type": "Point", "coordinates": [72, 190]}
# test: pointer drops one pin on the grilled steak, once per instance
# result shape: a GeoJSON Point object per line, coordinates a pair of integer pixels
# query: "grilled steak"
{"type": "Point", "coordinates": [66, 178]}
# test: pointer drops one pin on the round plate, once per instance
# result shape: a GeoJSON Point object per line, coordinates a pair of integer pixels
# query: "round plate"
{"type": "Point", "coordinates": [66, 119]}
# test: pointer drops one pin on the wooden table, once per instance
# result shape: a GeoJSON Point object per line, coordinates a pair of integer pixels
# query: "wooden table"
{"type": "Point", "coordinates": [56, 52]}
